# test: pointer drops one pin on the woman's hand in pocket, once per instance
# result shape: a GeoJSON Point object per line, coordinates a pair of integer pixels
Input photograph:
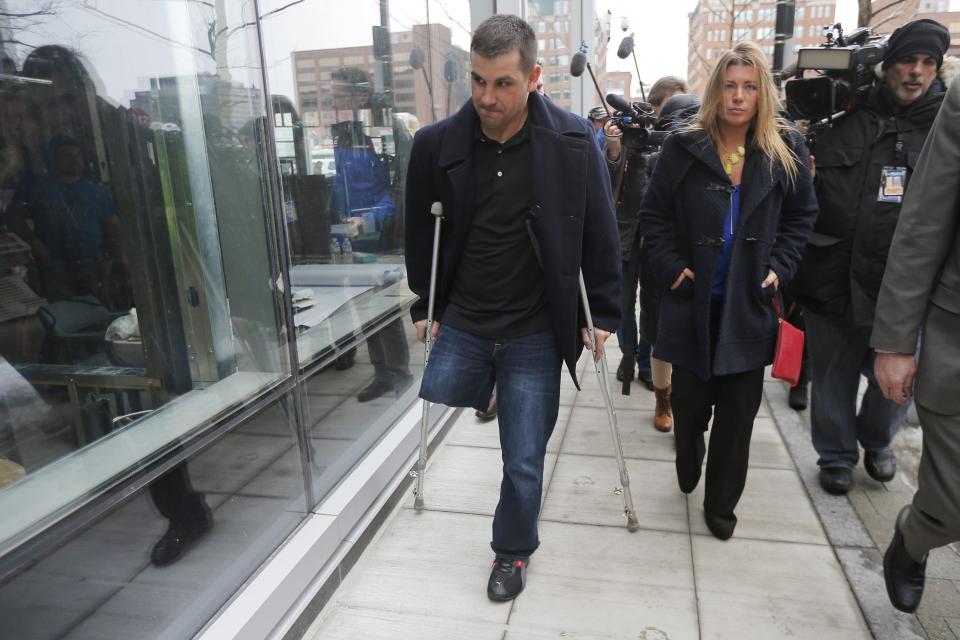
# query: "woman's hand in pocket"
{"type": "Point", "coordinates": [686, 273]}
{"type": "Point", "coordinates": [772, 280]}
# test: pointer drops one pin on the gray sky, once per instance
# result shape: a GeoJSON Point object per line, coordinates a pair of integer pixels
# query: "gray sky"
{"type": "Point", "coordinates": [128, 41]}
{"type": "Point", "coordinates": [661, 35]}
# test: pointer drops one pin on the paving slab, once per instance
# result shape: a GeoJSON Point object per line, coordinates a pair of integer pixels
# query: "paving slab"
{"type": "Point", "coordinates": [467, 480]}
{"type": "Point", "coordinates": [429, 563]}
{"type": "Point", "coordinates": [759, 589]}
{"type": "Point", "coordinates": [589, 434]}
{"type": "Point", "coordinates": [582, 492]}
{"type": "Point", "coordinates": [641, 580]}
{"type": "Point", "coordinates": [774, 506]}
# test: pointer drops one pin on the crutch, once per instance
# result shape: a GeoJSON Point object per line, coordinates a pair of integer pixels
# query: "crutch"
{"type": "Point", "coordinates": [604, 379]}
{"type": "Point", "coordinates": [436, 209]}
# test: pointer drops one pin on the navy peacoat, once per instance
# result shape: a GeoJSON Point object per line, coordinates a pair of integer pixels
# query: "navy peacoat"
{"type": "Point", "coordinates": [682, 215]}
{"type": "Point", "coordinates": [571, 219]}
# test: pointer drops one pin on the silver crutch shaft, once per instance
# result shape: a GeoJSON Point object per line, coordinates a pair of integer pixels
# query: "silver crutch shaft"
{"type": "Point", "coordinates": [603, 378]}
{"type": "Point", "coordinates": [436, 209]}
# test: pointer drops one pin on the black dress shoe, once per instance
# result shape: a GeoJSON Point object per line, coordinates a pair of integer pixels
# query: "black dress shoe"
{"type": "Point", "coordinates": [903, 575]}
{"type": "Point", "coordinates": [346, 361]}
{"type": "Point", "coordinates": [621, 370]}
{"type": "Point", "coordinates": [836, 480]}
{"type": "Point", "coordinates": [646, 379]}
{"type": "Point", "coordinates": [178, 539]}
{"type": "Point", "coordinates": [881, 466]}
{"type": "Point", "coordinates": [797, 397]}
{"type": "Point", "coordinates": [375, 389]}
{"type": "Point", "coordinates": [507, 579]}
{"type": "Point", "coordinates": [491, 411]}
{"type": "Point", "coordinates": [720, 526]}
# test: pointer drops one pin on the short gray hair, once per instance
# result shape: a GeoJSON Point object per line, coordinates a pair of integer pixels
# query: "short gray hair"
{"type": "Point", "coordinates": [502, 34]}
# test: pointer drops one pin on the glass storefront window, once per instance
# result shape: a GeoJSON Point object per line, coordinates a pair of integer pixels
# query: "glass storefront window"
{"type": "Point", "coordinates": [349, 93]}
{"type": "Point", "coordinates": [122, 577]}
{"type": "Point", "coordinates": [352, 90]}
{"type": "Point", "coordinates": [137, 252]}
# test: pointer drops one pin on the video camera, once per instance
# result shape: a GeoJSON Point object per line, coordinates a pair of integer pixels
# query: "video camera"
{"type": "Point", "coordinates": [636, 120]}
{"type": "Point", "coordinates": [845, 64]}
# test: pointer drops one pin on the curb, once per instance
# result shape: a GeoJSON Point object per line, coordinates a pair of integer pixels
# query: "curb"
{"type": "Point", "coordinates": [859, 556]}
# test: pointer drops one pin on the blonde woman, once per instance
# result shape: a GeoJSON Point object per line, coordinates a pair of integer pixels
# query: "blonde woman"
{"type": "Point", "coordinates": [726, 215]}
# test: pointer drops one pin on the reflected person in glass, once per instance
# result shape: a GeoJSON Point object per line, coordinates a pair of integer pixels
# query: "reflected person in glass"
{"type": "Point", "coordinates": [362, 196]}
{"type": "Point", "coordinates": [74, 230]}
{"type": "Point", "coordinates": [527, 205]}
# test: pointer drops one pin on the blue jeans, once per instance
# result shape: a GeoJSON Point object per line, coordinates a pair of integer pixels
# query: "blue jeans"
{"type": "Point", "coordinates": [461, 373]}
{"type": "Point", "coordinates": [839, 354]}
{"type": "Point", "coordinates": [643, 348]}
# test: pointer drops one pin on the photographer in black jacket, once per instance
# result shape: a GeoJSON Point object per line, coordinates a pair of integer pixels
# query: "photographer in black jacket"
{"type": "Point", "coordinates": [863, 165]}
{"type": "Point", "coordinates": [630, 170]}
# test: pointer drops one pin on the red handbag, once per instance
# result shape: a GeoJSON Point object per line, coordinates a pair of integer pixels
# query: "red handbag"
{"type": "Point", "coordinates": [788, 357]}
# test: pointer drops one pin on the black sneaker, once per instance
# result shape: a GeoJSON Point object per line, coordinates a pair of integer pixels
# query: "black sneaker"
{"type": "Point", "coordinates": [507, 579]}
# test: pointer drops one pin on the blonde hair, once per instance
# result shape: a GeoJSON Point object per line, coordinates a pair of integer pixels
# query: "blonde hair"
{"type": "Point", "coordinates": [768, 126]}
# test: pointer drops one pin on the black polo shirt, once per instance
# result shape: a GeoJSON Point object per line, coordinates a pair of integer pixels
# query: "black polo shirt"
{"type": "Point", "coordinates": [499, 288]}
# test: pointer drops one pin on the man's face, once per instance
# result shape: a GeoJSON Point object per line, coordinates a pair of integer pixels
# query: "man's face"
{"type": "Point", "coordinates": [909, 77]}
{"type": "Point", "coordinates": [69, 161]}
{"type": "Point", "coordinates": [348, 97]}
{"type": "Point", "coordinates": [657, 109]}
{"type": "Point", "coordinates": [500, 89]}
{"type": "Point", "coordinates": [740, 91]}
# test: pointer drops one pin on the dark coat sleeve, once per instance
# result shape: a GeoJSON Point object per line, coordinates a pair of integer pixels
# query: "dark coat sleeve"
{"type": "Point", "coordinates": [419, 223]}
{"type": "Point", "coordinates": [601, 251]}
{"type": "Point", "coordinates": [797, 216]}
{"type": "Point", "coordinates": [658, 217]}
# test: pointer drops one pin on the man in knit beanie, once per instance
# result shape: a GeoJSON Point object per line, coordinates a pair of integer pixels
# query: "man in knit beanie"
{"type": "Point", "coordinates": [864, 164]}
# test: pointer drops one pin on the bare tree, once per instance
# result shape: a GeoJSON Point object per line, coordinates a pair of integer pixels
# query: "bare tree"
{"type": "Point", "coordinates": [25, 21]}
{"type": "Point", "coordinates": [872, 12]}
{"type": "Point", "coordinates": [732, 15]}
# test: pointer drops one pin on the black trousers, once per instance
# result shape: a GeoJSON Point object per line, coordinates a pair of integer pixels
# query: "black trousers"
{"type": "Point", "coordinates": [733, 401]}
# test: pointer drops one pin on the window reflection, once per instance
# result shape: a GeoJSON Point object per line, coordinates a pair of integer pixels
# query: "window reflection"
{"type": "Point", "coordinates": [356, 98]}
{"type": "Point", "coordinates": [349, 101]}
{"type": "Point", "coordinates": [135, 259]}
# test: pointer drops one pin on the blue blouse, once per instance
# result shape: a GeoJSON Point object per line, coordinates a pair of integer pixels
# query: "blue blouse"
{"type": "Point", "coordinates": [730, 223]}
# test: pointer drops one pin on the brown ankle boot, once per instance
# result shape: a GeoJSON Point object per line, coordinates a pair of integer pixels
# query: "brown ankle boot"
{"type": "Point", "coordinates": [663, 417]}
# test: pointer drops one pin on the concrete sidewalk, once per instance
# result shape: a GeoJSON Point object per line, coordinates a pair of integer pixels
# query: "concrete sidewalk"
{"type": "Point", "coordinates": [424, 574]}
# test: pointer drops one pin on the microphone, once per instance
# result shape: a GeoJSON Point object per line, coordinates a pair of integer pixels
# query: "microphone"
{"type": "Point", "coordinates": [578, 64]}
{"type": "Point", "coordinates": [416, 58]}
{"type": "Point", "coordinates": [626, 48]}
{"type": "Point", "coordinates": [618, 102]}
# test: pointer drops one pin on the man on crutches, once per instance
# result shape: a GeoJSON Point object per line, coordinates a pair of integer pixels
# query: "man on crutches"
{"type": "Point", "coordinates": [526, 204]}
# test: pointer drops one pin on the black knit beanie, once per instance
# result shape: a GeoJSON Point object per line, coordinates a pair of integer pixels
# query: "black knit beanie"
{"type": "Point", "coordinates": [919, 36]}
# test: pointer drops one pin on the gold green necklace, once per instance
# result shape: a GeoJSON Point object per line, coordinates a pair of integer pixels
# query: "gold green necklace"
{"type": "Point", "coordinates": [731, 159]}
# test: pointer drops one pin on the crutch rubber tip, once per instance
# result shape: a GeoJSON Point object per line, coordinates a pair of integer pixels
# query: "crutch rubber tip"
{"type": "Point", "coordinates": [418, 503]}
{"type": "Point", "coordinates": [632, 524]}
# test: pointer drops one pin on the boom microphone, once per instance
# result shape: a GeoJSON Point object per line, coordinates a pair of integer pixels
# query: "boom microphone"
{"type": "Point", "coordinates": [578, 64]}
{"type": "Point", "coordinates": [626, 48]}
{"type": "Point", "coordinates": [416, 58]}
{"type": "Point", "coordinates": [451, 70]}
{"type": "Point", "coordinates": [618, 102]}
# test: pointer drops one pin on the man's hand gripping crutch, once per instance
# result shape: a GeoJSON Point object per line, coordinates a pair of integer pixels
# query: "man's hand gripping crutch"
{"type": "Point", "coordinates": [600, 366]}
